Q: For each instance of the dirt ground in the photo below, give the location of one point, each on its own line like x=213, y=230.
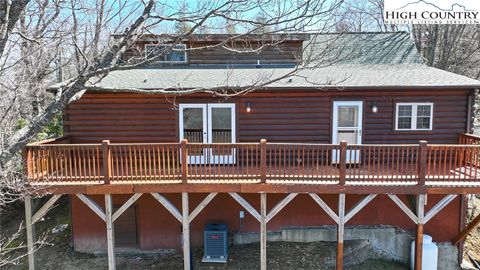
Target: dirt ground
x=281, y=256
x=472, y=243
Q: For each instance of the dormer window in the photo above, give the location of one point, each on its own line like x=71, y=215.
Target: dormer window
x=169, y=53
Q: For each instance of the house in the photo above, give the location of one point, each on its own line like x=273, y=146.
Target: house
x=340, y=125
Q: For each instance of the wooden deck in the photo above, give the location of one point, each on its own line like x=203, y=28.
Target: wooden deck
x=58, y=163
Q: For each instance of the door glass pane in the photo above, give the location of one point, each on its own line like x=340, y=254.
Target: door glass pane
x=193, y=125
x=348, y=116
x=221, y=125
x=221, y=129
x=350, y=136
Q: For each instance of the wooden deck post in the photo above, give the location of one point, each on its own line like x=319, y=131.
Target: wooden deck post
x=186, y=231
x=263, y=231
x=107, y=164
x=422, y=163
x=30, y=232
x=419, y=237
x=184, y=149
x=343, y=162
x=340, y=230
x=110, y=232
x=263, y=160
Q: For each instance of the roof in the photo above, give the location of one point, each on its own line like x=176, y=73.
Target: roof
x=367, y=48
x=352, y=60
x=336, y=76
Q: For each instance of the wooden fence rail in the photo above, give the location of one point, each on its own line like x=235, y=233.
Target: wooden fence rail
x=251, y=162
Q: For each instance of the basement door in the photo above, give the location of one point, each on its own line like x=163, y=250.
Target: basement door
x=208, y=123
x=347, y=126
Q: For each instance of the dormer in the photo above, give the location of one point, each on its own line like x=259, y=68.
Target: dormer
x=222, y=49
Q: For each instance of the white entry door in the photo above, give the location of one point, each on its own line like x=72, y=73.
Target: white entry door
x=347, y=126
x=208, y=123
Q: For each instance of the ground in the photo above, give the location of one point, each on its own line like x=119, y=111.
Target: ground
x=472, y=244
x=281, y=256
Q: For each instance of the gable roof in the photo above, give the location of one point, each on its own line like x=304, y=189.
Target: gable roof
x=363, y=48
x=348, y=60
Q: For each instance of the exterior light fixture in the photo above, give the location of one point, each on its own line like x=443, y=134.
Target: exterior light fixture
x=374, y=107
x=249, y=107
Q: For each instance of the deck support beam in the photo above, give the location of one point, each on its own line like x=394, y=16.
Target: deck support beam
x=421, y=219
x=340, y=231
x=185, y=218
x=30, y=232
x=263, y=218
x=279, y=206
x=467, y=230
x=185, y=231
x=403, y=207
x=246, y=205
x=31, y=219
x=263, y=231
x=419, y=236
x=439, y=206
x=45, y=208
x=169, y=206
x=325, y=207
x=359, y=206
x=201, y=206
x=110, y=232
x=126, y=205
x=93, y=205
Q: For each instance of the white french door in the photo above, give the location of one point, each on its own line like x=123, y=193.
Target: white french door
x=193, y=127
x=221, y=129
x=208, y=123
x=347, y=126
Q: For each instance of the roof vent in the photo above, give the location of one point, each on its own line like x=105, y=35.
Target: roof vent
x=290, y=80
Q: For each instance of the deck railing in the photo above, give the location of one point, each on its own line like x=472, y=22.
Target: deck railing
x=59, y=162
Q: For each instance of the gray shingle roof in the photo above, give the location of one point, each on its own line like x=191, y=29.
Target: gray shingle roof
x=356, y=60
x=363, y=48
x=342, y=76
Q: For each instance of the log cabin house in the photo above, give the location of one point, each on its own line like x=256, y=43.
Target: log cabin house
x=362, y=134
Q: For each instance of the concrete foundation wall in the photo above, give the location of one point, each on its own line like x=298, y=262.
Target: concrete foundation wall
x=384, y=242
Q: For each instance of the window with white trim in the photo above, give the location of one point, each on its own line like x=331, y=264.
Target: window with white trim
x=170, y=53
x=414, y=116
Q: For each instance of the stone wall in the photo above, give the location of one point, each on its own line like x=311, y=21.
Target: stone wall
x=366, y=242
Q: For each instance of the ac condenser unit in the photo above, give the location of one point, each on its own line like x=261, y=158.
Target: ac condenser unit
x=215, y=243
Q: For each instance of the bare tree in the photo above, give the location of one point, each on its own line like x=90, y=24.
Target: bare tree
x=360, y=16
x=9, y=15
x=288, y=17
x=454, y=48
x=44, y=42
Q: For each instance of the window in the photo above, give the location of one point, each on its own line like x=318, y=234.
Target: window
x=414, y=116
x=169, y=54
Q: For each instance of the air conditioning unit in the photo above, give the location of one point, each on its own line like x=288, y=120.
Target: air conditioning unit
x=215, y=243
